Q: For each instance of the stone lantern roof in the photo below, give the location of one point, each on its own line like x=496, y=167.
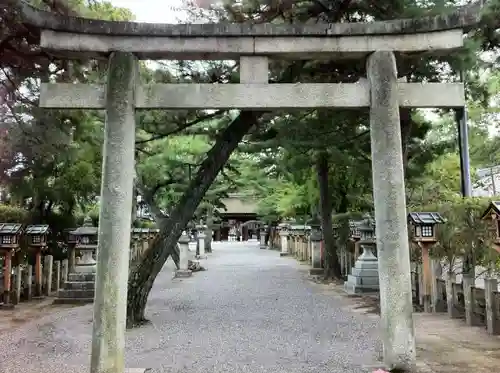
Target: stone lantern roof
x=87, y=229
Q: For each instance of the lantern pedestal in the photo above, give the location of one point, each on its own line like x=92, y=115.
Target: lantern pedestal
x=263, y=240
x=364, y=274
x=79, y=289
x=183, y=270
x=7, y=304
x=87, y=264
x=201, y=246
x=80, y=286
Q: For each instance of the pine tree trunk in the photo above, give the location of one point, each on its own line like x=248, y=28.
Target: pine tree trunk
x=332, y=265
x=143, y=274
x=209, y=231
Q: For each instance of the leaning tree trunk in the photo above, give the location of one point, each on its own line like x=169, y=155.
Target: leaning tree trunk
x=332, y=265
x=143, y=274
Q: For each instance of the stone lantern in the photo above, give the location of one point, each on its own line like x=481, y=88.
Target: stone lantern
x=201, y=241
x=263, y=232
x=424, y=226
x=364, y=275
x=37, y=235
x=316, y=249
x=354, y=233
x=314, y=228
x=284, y=232
x=10, y=234
x=424, y=235
x=183, y=243
x=293, y=240
x=87, y=237
x=37, y=242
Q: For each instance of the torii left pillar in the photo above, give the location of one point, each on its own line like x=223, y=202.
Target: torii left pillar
x=110, y=302
x=396, y=309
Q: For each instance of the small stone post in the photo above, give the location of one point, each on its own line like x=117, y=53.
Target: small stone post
x=436, y=297
x=468, y=283
x=29, y=282
x=49, y=261
x=309, y=249
x=110, y=302
x=303, y=247
x=18, y=273
x=58, y=276
x=342, y=261
x=398, y=334
x=450, y=295
x=490, y=290
x=183, y=270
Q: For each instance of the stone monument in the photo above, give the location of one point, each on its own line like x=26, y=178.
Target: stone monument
x=364, y=277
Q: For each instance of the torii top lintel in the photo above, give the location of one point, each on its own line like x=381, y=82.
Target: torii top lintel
x=226, y=40
x=461, y=17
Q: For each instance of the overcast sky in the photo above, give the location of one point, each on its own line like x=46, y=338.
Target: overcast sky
x=156, y=11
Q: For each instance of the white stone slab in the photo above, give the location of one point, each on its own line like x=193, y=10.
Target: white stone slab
x=252, y=96
x=231, y=47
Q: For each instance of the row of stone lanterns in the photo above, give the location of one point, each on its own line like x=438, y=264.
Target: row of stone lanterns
x=364, y=275
x=80, y=285
x=11, y=235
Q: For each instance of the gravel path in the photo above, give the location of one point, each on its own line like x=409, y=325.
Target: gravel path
x=251, y=311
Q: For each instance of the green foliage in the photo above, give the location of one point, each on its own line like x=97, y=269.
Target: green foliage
x=12, y=214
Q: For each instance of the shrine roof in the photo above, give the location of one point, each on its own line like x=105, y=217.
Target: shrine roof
x=85, y=231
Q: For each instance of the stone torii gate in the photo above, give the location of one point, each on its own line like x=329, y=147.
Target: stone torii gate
x=124, y=43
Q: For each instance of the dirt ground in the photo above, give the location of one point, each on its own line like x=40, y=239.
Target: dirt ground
x=443, y=345
x=27, y=311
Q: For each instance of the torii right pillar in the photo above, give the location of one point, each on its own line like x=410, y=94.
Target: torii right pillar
x=397, y=330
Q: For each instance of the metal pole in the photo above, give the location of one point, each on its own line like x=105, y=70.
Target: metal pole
x=493, y=184
x=463, y=147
